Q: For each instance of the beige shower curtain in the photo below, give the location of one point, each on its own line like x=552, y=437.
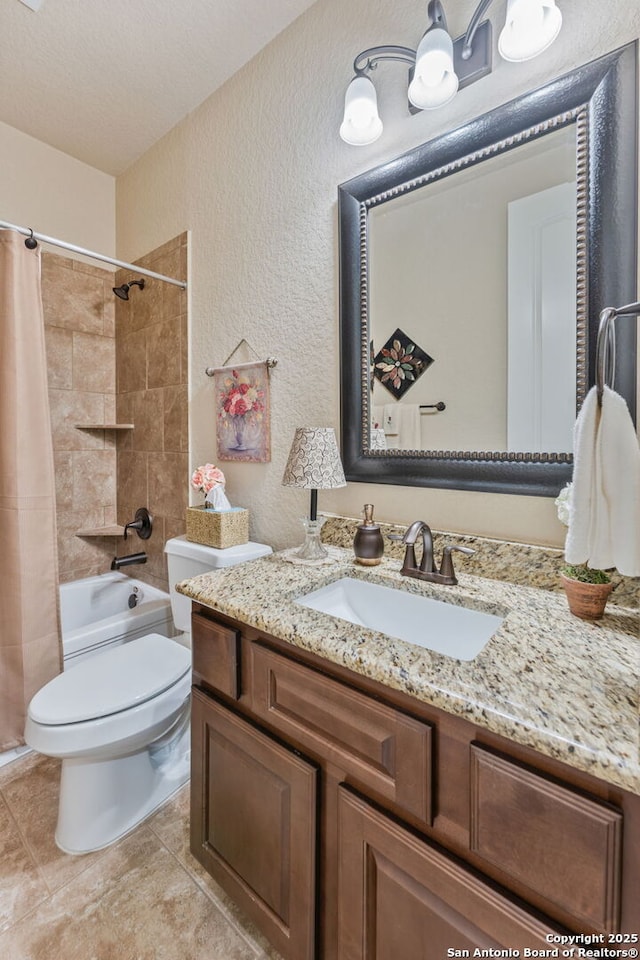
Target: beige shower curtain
x=29, y=631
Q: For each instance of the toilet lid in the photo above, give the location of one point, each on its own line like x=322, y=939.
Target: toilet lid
x=112, y=681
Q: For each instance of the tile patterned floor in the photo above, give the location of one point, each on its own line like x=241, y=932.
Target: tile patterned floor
x=144, y=898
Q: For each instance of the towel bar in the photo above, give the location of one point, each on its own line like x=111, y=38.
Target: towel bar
x=606, y=345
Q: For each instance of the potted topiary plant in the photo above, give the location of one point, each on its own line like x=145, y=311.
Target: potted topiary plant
x=587, y=588
x=587, y=591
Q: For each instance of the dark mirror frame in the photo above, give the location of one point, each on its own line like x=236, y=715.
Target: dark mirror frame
x=601, y=99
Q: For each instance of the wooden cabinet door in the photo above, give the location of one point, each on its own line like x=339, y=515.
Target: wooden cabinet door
x=400, y=897
x=253, y=824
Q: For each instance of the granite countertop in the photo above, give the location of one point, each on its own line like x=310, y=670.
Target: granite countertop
x=565, y=687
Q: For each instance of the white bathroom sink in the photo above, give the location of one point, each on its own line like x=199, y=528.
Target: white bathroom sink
x=458, y=632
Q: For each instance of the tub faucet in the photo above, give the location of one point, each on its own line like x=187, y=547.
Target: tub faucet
x=427, y=569
x=118, y=562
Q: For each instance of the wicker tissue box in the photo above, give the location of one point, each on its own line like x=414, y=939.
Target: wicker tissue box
x=216, y=528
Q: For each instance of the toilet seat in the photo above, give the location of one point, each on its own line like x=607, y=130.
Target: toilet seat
x=108, y=683
x=127, y=730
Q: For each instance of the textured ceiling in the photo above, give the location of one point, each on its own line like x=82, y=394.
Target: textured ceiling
x=102, y=80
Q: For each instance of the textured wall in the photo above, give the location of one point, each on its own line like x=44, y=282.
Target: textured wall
x=253, y=174
x=79, y=321
x=151, y=365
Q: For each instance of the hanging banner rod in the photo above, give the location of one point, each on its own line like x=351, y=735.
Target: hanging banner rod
x=27, y=232
x=269, y=363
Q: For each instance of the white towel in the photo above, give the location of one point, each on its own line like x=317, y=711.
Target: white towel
x=401, y=425
x=604, y=517
x=583, y=492
x=409, y=427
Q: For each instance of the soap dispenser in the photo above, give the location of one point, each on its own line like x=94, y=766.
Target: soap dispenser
x=368, y=544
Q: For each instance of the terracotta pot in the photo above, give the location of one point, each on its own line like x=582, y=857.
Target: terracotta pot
x=586, y=600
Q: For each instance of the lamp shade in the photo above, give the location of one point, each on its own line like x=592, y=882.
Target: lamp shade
x=531, y=26
x=314, y=461
x=434, y=80
x=362, y=124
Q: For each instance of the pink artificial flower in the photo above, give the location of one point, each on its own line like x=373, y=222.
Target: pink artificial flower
x=206, y=477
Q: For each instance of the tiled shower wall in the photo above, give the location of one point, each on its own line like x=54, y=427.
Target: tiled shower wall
x=98, y=345
x=151, y=393
x=79, y=316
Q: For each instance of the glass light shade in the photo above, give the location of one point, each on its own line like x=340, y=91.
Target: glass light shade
x=361, y=124
x=434, y=80
x=531, y=26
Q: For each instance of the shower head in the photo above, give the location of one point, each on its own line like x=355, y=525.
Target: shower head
x=123, y=291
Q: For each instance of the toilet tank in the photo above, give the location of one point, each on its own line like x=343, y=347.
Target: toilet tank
x=187, y=559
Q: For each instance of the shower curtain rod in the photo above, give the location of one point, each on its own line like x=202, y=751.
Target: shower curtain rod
x=27, y=232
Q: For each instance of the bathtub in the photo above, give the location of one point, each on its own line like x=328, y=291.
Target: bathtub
x=96, y=613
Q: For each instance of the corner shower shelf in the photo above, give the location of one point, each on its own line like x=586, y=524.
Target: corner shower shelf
x=113, y=530
x=104, y=426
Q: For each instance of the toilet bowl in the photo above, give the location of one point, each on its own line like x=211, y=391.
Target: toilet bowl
x=119, y=721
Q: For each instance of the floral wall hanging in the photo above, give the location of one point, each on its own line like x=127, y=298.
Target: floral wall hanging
x=399, y=363
x=242, y=413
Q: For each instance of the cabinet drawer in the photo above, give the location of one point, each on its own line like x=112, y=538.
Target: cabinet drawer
x=376, y=746
x=216, y=656
x=563, y=845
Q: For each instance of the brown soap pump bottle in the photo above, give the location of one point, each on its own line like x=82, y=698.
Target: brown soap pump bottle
x=368, y=544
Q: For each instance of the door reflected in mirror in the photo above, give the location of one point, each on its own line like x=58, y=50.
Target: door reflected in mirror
x=478, y=270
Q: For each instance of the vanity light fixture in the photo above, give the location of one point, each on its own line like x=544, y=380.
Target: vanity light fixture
x=435, y=81
x=530, y=28
x=440, y=66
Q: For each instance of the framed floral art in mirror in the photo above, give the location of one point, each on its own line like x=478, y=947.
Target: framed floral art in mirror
x=399, y=363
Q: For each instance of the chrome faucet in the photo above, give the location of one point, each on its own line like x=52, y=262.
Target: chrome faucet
x=427, y=569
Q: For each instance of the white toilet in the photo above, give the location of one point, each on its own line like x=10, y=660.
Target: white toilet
x=120, y=719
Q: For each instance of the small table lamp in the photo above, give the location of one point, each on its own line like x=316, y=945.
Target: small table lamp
x=314, y=463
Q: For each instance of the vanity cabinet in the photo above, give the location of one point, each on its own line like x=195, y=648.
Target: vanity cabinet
x=354, y=822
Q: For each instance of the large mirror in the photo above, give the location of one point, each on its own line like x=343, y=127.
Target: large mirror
x=473, y=271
